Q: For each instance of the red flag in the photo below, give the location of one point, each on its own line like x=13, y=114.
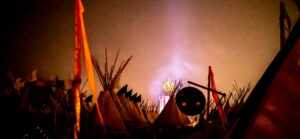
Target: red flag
x=81, y=40
x=215, y=96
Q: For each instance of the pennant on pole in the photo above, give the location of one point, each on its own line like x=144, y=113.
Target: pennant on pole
x=81, y=40
x=215, y=96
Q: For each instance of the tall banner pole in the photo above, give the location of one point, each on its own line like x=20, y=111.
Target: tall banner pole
x=208, y=95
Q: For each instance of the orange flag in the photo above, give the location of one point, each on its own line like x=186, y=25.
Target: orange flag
x=81, y=40
x=215, y=96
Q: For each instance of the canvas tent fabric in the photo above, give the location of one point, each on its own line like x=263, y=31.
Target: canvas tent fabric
x=171, y=115
x=113, y=121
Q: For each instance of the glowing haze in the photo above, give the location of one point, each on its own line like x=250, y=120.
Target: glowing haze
x=176, y=39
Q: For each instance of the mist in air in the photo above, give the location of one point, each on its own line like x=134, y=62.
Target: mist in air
x=168, y=39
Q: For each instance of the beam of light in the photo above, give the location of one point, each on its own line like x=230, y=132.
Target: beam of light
x=177, y=66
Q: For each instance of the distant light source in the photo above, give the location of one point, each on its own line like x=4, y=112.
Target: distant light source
x=168, y=87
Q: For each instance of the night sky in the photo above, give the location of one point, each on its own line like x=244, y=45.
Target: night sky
x=173, y=39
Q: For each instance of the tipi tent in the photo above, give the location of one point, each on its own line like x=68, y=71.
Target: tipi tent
x=112, y=119
x=171, y=115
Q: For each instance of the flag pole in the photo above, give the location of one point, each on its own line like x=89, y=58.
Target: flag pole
x=208, y=94
x=87, y=56
x=212, y=90
x=77, y=73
